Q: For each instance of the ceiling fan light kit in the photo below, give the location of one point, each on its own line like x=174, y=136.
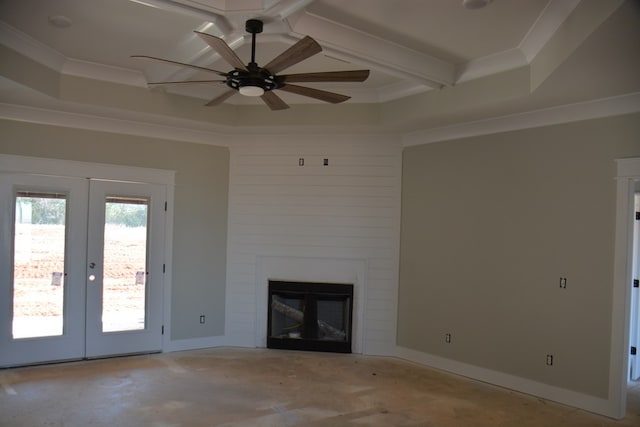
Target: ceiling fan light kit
x=251, y=91
x=255, y=81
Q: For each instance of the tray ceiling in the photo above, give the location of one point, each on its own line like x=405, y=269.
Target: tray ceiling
x=411, y=46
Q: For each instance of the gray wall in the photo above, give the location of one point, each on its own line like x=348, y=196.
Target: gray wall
x=201, y=192
x=490, y=224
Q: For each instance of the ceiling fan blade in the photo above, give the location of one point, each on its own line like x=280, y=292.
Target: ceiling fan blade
x=181, y=64
x=322, y=95
x=273, y=101
x=221, y=98
x=223, y=49
x=184, y=82
x=303, y=49
x=329, y=76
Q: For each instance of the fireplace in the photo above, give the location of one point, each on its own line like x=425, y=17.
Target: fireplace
x=310, y=316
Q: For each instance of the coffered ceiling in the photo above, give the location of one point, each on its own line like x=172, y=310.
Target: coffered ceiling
x=419, y=52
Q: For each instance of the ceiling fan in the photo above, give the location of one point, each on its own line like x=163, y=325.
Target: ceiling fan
x=253, y=80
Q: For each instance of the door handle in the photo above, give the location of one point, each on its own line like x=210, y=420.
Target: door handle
x=92, y=277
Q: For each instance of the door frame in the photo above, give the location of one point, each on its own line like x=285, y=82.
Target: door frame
x=78, y=169
x=627, y=179
x=634, y=324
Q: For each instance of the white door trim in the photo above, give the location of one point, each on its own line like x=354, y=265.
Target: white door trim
x=76, y=169
x=634, y=330
x=627, y=174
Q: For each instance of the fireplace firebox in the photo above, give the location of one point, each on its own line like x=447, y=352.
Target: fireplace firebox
x=310, y=316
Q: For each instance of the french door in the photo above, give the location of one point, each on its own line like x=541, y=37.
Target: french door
x=81, y=268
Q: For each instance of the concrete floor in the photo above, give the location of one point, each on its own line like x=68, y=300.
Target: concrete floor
x=257, y=387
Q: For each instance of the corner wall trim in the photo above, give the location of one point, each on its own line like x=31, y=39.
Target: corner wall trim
x=523, y=385
x=627, y=177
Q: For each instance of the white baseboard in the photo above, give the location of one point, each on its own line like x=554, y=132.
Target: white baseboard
x=567, y=397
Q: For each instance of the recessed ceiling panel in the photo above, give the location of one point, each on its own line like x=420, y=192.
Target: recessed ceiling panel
x=442, y=28
x=105, y=32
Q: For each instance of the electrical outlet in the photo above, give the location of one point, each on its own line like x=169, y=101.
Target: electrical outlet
x=447, y=338
x=202, y=318
x=563, y=282
x=549, y=359
x=301, y=161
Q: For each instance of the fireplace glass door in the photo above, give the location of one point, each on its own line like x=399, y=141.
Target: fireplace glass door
x=310, y=316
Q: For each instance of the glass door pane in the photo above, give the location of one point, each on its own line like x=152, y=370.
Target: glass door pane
x=39, y=264
x=125, y=264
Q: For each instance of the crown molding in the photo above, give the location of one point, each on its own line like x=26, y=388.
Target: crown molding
x=606, y=107
x=173, y=129
x=206, y=133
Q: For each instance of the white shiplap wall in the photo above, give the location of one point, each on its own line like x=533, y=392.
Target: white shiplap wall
x=335, y=223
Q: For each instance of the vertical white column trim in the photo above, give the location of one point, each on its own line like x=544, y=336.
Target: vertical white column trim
x=628, y=172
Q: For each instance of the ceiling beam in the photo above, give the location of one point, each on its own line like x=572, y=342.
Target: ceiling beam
x=375, y=52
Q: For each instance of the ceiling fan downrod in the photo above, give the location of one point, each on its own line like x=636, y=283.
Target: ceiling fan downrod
x=253, y=27
x=255, y=81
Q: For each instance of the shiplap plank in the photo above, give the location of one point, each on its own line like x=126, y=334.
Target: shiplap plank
x=314, y=191
x=320, y=250
x=294, y=240
x=238, y=268
x=379, y=325
x=379, y=305
x=380, y=294
x=324, y=211
x=307, y=230
x=306, y=200
x=317, y=170
x=318, y=221
x=317, y=180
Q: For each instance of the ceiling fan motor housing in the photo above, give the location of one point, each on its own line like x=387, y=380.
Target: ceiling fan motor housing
x=256, y=76
x=253, y=26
